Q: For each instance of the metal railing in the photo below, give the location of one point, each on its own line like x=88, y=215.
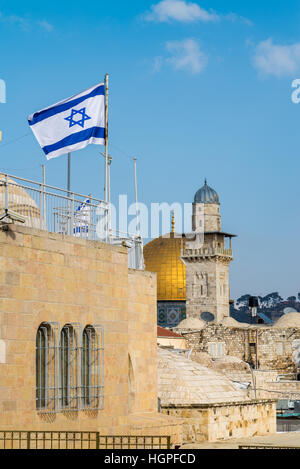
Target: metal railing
x=134, y=442
x=53, y=209
x=56, y=210
x=78, y=440
x=256, y=447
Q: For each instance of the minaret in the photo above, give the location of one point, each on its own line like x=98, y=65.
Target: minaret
x=207, y=259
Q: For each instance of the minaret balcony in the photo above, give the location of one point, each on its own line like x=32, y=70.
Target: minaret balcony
x=206, y=253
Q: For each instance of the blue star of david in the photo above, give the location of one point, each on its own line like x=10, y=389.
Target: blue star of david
x=74, y=112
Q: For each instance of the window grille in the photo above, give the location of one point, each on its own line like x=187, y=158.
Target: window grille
x=69, y=368
x=69, y=353
x=92, y=368
x=46, y=367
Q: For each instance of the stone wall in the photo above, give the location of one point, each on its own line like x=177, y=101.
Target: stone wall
x=50, y=278
x=207, y=288
x=142, y=328
x=206, y=217
x=226, y=421
x=275, y=346
x=268, y=386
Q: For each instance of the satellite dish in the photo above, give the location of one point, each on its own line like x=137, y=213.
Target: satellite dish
x=208, y=317
x=289, y=310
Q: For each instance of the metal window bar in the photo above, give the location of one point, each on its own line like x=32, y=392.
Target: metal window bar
x=92, y=368
x=46, y=367
x=69, y=353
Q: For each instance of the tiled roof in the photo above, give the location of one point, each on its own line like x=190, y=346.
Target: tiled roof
x=162, y=332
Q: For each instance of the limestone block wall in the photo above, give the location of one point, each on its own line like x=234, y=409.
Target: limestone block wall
x=142, y=328
x=275, y=346
x=48, y=277
x=211, y=278
x=206, y=217
x=226, y=421
x=281, y=390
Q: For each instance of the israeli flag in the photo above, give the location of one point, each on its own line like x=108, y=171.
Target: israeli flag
x=82, y=219
x=71, y=124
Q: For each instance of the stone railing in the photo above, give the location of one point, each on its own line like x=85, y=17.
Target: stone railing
x=206, y=252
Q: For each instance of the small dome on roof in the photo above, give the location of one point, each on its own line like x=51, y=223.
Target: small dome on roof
x=291, y=320
x=197, y=384
x=206, y=195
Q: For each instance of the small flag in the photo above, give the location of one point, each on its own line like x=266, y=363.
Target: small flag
x=82, y=219
x=72, y=124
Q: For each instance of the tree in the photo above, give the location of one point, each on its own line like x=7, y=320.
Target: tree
x=243, y=301
x=271, y=300
x=292, y=299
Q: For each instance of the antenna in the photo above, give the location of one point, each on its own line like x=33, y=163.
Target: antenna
x=138, y=226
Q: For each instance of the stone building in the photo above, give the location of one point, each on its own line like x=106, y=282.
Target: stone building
x=163, y=256
x=78, y=338
x=269, y=348
x=193, y=269
x=212, y=407
x=207, y=259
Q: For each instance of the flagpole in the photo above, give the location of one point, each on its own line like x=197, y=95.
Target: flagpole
x=69, y=174
x=106, y=151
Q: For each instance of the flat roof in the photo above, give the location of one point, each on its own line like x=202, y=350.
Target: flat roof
x=228, y=235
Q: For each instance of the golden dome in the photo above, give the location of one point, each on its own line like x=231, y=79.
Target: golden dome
x=162, y=256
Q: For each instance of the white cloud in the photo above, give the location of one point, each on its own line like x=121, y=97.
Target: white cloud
x=25, y=24
x=186, y=55
x=45, y=26
x=179, y=10
x=277, y=60
x=234, y=18
x=157, y=64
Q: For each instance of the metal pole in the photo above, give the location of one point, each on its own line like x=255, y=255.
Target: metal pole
x=43, y=199
x=106, y=136
x=257, y=349
x=6, y=193
x=106, y=154
x=138, y=228
x=69, y=174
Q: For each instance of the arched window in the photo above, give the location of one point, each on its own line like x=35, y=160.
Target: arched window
x=92, y=368
x=46, y=368
x=69, y=368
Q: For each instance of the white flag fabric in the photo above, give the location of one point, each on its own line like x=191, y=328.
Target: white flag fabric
x=71, y=124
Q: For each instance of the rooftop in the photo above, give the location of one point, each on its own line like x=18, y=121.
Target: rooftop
x=162, y=332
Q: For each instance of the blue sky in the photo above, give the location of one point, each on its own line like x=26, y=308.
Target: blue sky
x=198, y=88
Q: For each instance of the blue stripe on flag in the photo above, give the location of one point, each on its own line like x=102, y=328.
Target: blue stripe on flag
x=46, y=113
x=97, y=132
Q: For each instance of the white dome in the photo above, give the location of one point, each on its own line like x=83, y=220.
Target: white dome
x=192, y=323
x=21, y=202
x=231, y=322
x=185, y=382
x=291, y=320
